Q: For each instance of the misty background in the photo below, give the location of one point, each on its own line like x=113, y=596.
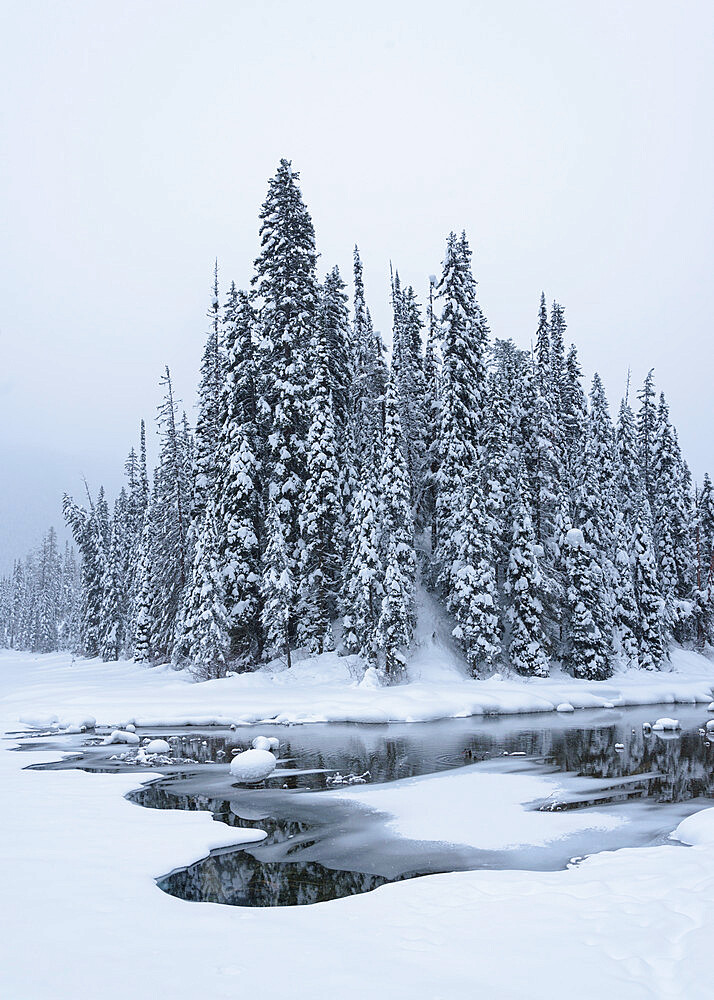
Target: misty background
x=573, y=142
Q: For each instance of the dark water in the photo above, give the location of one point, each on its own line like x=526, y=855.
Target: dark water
x=319, y=847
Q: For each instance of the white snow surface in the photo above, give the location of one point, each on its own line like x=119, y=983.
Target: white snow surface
x=324, y=689
x=82, y=909
x=488, y=811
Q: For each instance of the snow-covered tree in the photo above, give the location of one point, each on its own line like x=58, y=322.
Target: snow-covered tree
x=397, y=616
x=523, y=588
x=205, y=620
x=277, y=590
x=319, y=565
x=362, y=583
x=286, y=293
x=588, y=646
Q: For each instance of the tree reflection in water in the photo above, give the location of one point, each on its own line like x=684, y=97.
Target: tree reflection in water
x=283, y=869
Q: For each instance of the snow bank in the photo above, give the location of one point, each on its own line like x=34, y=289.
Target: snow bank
x=323, y=689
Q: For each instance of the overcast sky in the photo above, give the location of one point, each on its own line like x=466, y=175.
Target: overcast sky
x=572, y=141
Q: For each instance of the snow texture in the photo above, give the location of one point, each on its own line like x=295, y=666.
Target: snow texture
x=632, y=923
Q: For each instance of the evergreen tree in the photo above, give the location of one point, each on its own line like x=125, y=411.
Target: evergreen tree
x=523, y=588
x=462, y=391
x=650, y=606
x=474, y=599
x=362, y=585
x=588, y=648
x=629, y=476
x=557, y=356
x=574, y=409
x=335, y=334
x=398, y=616
x=169, y=517
x=239, y=484
x=320, y=515
x=542, y=349
x=208, y=422
x=205, y=620
x=142, y=626
x=286, y=291
x=646, y=426
x=277, y=589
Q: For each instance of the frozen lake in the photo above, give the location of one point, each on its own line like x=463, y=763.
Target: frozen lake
x=321, y=845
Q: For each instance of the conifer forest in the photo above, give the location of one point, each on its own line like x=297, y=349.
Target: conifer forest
x=329, y=488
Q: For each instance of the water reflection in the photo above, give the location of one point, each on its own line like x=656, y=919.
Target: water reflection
x=319, y=847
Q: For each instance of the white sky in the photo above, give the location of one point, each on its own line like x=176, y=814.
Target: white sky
x=572, y=141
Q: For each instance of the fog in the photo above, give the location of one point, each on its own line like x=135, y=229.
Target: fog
x=573, y=143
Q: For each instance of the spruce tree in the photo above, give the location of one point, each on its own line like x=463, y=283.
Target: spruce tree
x=286, y=293
x=463, y=381
x=397, y=616
x=588, y=647
x=646, y=427
x=205, y=620
x=336, y=335
x=523, y=588
x=474, y=598
x=239, y=484
x=278, y=592
x=319, y=565
x=650, y=606
x=363, y=577
x=142, y=630
x=208, y=422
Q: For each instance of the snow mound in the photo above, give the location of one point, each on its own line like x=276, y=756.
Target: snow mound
x=371, y=680
x=271, y=743
x=564, y=706
x=252, y=766
x=666, y=724
x=157, y=746
x=121, y=736
x=696, y=829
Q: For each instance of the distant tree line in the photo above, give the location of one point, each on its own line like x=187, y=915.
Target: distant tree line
x=324, y=483
x=40, y=601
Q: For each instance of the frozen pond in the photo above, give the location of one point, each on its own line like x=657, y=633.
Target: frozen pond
x=320, y=846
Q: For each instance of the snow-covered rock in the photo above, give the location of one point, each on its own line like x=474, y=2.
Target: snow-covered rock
x=565, y=706
x=665, y=724
x=157, y=746
x=271, y=743
x=121, y=736
x=696, y=829
x=710, y=726
x=252, y=766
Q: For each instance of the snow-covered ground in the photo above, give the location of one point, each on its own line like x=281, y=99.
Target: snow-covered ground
x=81, y=912
x=323, y=689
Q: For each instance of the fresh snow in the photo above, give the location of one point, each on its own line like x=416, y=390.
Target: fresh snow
x=324, y=689
x=82, y=908
x=252, y=766
x=475, y=808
